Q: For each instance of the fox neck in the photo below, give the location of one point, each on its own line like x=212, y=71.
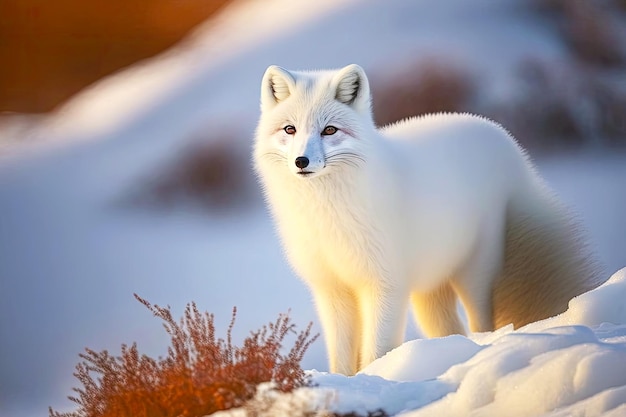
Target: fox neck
x=340, y=217
x=337, y=191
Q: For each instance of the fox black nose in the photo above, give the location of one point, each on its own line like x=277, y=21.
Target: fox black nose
x=302, y=162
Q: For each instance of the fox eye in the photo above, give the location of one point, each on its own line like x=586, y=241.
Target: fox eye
x=290, y=130
x=329, y=130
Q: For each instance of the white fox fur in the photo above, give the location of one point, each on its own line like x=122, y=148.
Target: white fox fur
x=417, y=213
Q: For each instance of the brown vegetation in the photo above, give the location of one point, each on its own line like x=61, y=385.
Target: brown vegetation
x=588, y=28
x=428, y=86
x=575, y=102
x=49, y=50
x=206, y=172
x=201, y=374
x=565, y=103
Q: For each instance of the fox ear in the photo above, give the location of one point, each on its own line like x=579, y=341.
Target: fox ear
x=277, y=86
x=352, y=87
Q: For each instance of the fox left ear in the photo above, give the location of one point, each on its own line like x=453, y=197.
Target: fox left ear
x=352, y=87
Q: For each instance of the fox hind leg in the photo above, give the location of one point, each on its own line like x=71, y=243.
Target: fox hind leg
x=474, y=283
x=436, y=312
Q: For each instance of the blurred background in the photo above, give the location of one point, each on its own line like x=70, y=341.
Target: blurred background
x=52, y=50
x=126, y=130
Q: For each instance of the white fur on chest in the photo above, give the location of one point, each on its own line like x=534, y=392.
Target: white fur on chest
x=332, y=230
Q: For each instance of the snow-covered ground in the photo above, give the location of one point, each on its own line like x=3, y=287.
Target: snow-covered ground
x=567, y=365
x=71, y=255
x=556, y=367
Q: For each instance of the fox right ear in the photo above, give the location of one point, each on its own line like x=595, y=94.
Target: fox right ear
x=277, y=86
x=352, y=87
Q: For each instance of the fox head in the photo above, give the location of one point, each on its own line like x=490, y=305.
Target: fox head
x=313, y=121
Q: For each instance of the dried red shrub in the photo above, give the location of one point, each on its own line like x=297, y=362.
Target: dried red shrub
x=376, y=413
x=201, y=374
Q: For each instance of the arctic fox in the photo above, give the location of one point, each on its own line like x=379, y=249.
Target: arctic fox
x=417, y=213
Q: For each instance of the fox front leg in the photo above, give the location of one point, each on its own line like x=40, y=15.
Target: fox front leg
x=338, y=313
x=383, y=316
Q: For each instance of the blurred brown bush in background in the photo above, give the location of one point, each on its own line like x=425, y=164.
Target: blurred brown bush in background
x=427, y=86
x=579, y=101
x=212, y=173
x=49, y=50
x=588, y=28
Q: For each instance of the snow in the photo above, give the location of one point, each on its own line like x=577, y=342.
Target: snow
x=458, y=349
x=71, y=255
x=538, y=370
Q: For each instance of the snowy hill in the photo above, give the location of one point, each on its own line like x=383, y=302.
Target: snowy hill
x=72, y=253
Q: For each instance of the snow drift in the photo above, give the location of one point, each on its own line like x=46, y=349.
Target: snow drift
x=554, y=367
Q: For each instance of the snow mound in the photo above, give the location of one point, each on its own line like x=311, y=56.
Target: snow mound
x=605, y=304
x=573, y=364
x=530, y=374
x=457, y=349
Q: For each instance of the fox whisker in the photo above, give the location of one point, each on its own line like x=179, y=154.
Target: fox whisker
x=275, y=157
x=345, y=158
